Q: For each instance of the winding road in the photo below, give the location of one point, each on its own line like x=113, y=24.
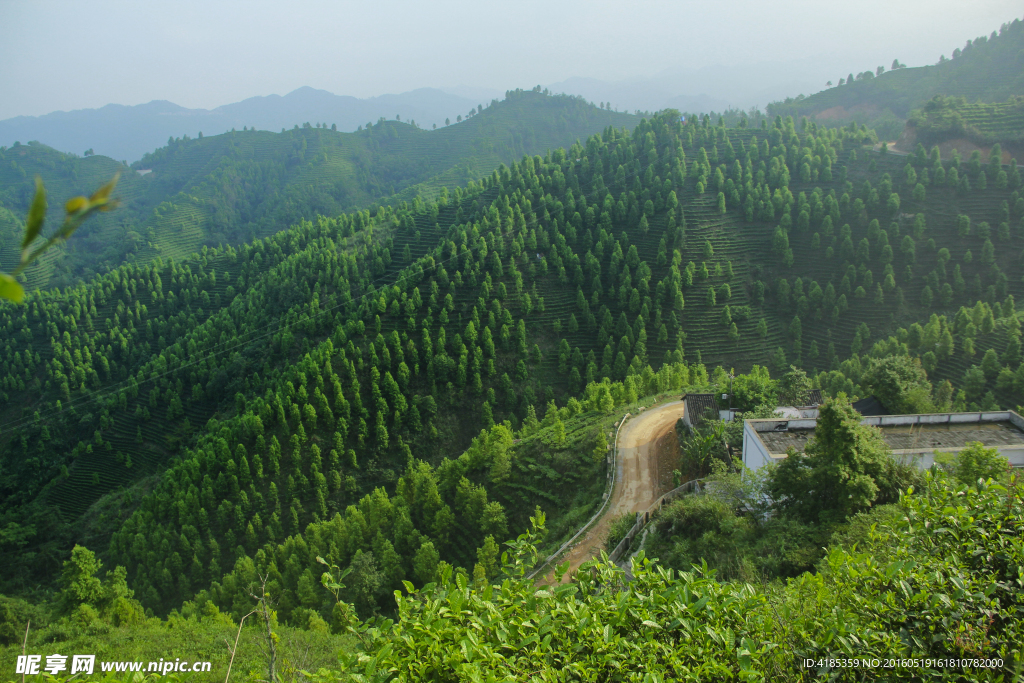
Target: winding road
x=647, y=455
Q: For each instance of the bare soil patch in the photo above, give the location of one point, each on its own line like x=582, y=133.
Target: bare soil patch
x=841, y=112
x=667, y=452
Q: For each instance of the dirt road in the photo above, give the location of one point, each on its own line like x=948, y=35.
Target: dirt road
x=646, y=457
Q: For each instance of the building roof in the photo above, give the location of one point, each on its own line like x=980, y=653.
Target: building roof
x=700, y=406
x=904, y=433
x=869, y=405
x=814, y=398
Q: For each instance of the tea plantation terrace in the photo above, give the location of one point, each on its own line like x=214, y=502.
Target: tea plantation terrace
x=912, y=438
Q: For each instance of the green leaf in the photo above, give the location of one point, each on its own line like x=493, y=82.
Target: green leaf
x=103, y=194
x=76, y=204
x=11, y=289
x=36, y=214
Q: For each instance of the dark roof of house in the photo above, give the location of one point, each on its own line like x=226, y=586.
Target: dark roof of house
x=870, y=406
x=699, y=405
x=814, y=398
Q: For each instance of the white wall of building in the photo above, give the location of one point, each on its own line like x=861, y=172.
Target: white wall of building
x=755, y=455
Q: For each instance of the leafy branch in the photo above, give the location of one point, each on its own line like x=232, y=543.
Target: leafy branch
x=76, y=210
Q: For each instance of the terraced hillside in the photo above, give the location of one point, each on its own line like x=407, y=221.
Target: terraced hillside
x=955, y=123
x=986, y=69
x=253, y=392
x=235, y=187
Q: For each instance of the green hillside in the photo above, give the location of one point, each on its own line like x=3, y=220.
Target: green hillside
x=235, y=187
x=364, y=381
x=165, y=413
x=983, y=124
x=199, y=420
x=987, y=69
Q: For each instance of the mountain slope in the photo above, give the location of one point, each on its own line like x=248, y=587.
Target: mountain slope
x=105, y=239
x=294, y=377
x=988, y=69
x=953, y=123
x=241, y=185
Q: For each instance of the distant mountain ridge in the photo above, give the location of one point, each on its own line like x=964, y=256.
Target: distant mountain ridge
x=124, y=132
x=127, y=132
x=234, y=187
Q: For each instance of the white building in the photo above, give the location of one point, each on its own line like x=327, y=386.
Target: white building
x=912, y=438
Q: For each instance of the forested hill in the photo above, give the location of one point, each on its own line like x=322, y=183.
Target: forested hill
x=187, y=417
x=987, y=69
x=235, y=187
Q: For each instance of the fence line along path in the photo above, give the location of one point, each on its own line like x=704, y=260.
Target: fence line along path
x=635, y=487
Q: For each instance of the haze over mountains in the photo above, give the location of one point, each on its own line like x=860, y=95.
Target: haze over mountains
x=236, y=186
x=710, y=88
x=127, y=132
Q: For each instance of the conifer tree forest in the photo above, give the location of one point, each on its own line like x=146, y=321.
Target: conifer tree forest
x=412, y=401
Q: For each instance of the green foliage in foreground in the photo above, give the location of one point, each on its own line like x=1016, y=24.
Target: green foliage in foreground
x=77, y=210
x=196, y=635
x=952, y=585
x=941, y=575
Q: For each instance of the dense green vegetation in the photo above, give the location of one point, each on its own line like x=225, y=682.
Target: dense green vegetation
x=894, y=583
x=434, y=320
x=342, y=400
x=235, y=187
x=65, y=176
x=103, y=618
x=944, y=118
x=986, y=69
x=908, y=590
x=395, y=391
x=775, y=522
x=33, y=244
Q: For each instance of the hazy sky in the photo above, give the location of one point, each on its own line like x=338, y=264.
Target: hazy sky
x=72, y=55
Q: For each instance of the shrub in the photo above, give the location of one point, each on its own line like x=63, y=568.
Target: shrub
x=619, y=528
x=974, y=463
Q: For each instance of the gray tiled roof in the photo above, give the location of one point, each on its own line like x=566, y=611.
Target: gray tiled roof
x=698, y=406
